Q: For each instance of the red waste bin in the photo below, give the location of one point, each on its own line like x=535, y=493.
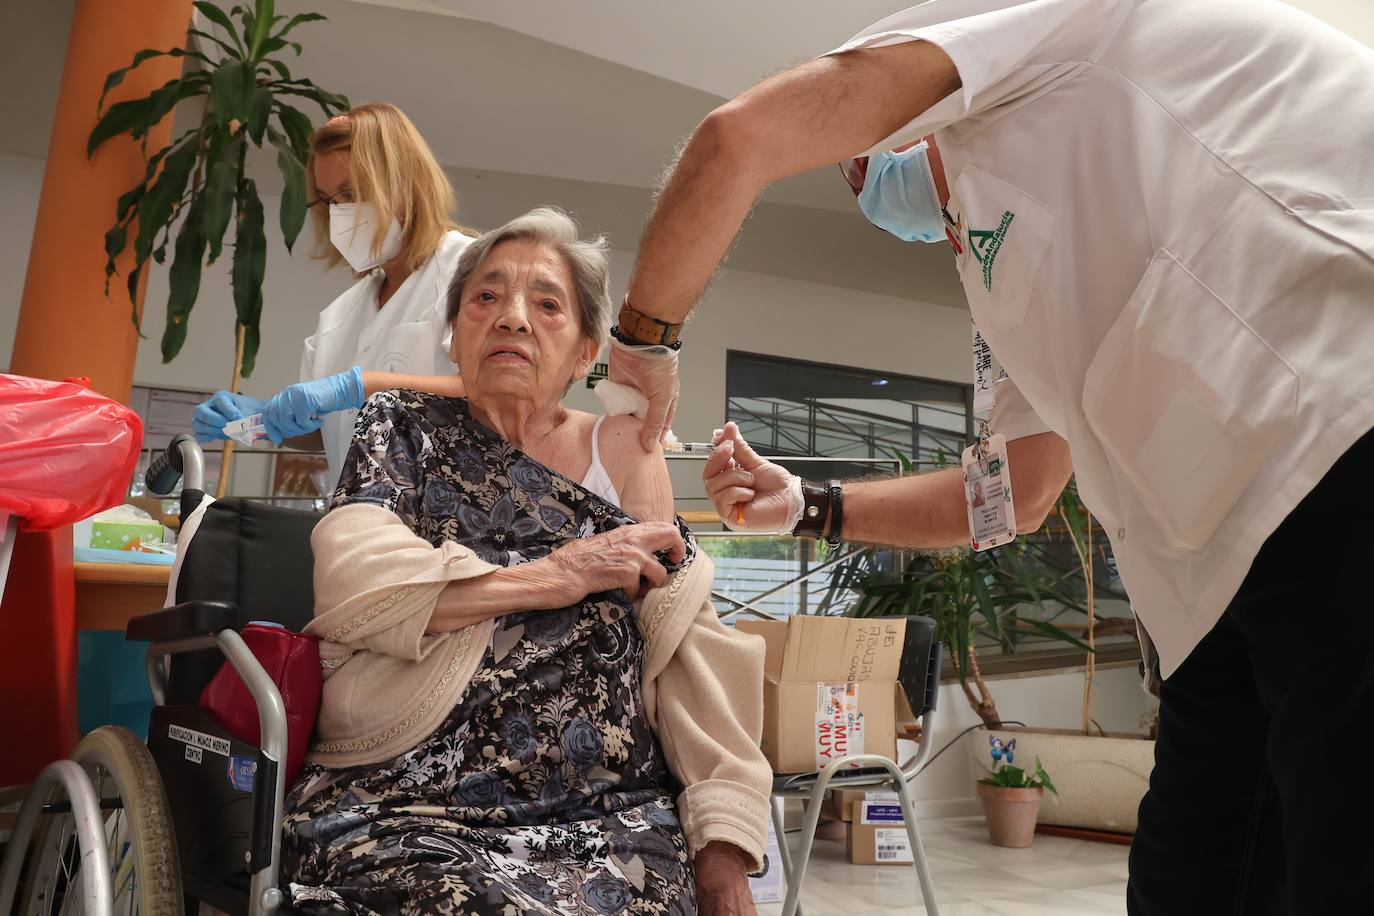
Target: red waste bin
x=65, y=454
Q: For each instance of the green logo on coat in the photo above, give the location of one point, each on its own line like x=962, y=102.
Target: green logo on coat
x=986, y=243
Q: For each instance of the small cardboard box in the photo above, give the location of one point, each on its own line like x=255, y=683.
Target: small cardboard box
x=877, y=832
x=124, y=534
x=830, y=688
x=769, y=886
x=840, y=805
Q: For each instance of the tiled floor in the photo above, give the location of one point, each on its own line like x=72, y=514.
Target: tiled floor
x=1055, y=877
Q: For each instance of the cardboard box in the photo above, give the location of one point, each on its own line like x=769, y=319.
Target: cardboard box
x=769, y=886
x=877, y=833
x=840, y=805
x=830, y=688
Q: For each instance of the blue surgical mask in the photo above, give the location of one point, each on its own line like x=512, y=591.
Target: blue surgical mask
x=899, y=195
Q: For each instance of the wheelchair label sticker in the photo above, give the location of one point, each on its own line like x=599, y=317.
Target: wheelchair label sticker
x=242, y=772
x=199, y=739
x=193, y=753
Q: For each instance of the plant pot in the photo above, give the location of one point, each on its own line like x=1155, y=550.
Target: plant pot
x=1100, y=779
x=1011, y=814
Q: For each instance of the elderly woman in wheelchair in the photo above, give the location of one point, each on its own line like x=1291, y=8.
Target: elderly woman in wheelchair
x=529, y=703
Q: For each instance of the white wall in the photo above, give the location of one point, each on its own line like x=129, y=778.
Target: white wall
x=21, y=179
x=757, y=312
x=1047, y=701
x=1354, y=17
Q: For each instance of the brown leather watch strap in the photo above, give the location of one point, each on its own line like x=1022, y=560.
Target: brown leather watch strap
x=815, y=510
x=642, y=329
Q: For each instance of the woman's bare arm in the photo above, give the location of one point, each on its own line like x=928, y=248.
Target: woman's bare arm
x=447, y=385
x=530, y=586
x=646, y=491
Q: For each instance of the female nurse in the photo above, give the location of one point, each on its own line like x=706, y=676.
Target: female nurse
x=381, y=204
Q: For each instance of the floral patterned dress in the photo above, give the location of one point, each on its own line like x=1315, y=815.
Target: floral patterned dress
x=545, y=790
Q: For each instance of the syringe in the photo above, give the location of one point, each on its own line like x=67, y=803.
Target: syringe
x=700, y=448
x=696, y=448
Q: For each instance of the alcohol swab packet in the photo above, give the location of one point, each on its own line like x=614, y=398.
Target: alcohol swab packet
x=247, y=430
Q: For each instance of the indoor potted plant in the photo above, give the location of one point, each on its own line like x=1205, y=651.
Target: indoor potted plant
x=969, y=595
x=1102, y=776
x=1011, y=797
x=198, y=186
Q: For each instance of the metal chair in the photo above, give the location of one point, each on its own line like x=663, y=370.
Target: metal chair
x=857, y=771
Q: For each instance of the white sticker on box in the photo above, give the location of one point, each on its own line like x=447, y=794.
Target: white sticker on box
x=880, y=812
x=193, y=753
x=199, y=739
x=890, y=844
x=839, y=724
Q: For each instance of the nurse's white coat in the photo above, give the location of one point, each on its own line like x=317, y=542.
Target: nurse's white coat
x=407, y=335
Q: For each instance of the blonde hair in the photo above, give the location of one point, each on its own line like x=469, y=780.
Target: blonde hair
x=392, y=168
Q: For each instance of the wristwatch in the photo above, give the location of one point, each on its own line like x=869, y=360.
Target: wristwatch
x=637, y=329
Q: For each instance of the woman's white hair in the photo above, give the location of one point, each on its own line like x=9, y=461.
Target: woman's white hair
x=587, y=259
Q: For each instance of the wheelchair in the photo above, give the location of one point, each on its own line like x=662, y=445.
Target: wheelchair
x=194, y=816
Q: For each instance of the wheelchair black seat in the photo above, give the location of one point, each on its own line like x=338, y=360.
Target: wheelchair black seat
x=253, y=555
x=245, y=561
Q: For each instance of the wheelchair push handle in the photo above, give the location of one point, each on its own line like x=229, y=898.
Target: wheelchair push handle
x=182, y=457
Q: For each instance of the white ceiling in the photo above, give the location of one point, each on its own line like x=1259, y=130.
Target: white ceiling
x=718, y=46
x=574, y=100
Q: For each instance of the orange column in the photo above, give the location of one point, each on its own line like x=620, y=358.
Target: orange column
x=67, y=326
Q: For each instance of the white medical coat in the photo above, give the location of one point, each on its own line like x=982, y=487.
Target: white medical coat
x=408, y=334
x=1167, y=219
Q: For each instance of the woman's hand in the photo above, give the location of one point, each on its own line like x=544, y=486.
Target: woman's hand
x=622, y=558
x=224, y=407
x=723, y=881
x=299, y=409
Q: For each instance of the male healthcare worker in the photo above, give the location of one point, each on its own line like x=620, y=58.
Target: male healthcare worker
x=1162, y=212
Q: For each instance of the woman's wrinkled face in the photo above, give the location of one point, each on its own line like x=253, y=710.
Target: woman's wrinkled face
x=517, y=332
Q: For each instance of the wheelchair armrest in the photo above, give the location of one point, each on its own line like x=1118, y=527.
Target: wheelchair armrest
x=182, y=621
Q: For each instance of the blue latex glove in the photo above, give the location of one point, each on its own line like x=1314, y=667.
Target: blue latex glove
x=299, y=409
x=224, y=407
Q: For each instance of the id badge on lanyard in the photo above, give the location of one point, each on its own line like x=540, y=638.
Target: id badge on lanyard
x=987, y=478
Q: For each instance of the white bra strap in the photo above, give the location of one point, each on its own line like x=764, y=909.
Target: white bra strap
x=596, y=436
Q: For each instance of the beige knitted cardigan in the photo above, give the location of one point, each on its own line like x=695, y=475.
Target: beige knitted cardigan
x=388, y=685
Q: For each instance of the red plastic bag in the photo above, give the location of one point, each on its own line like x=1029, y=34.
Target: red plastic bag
x=65, y=452
x=292, y=661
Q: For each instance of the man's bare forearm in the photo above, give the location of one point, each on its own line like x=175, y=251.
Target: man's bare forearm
x=812, y=115
x=927, y=512
x=924, y=512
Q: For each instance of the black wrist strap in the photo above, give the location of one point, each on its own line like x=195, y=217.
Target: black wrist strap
x=815, y=510
x=836, y=494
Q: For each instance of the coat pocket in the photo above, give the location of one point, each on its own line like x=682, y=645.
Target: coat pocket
x=1187, y=400
x=1005, y=234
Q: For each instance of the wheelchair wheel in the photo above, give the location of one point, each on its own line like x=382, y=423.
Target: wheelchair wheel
x=145, y=874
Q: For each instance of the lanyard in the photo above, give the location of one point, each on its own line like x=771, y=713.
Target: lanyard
x=983, y=381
